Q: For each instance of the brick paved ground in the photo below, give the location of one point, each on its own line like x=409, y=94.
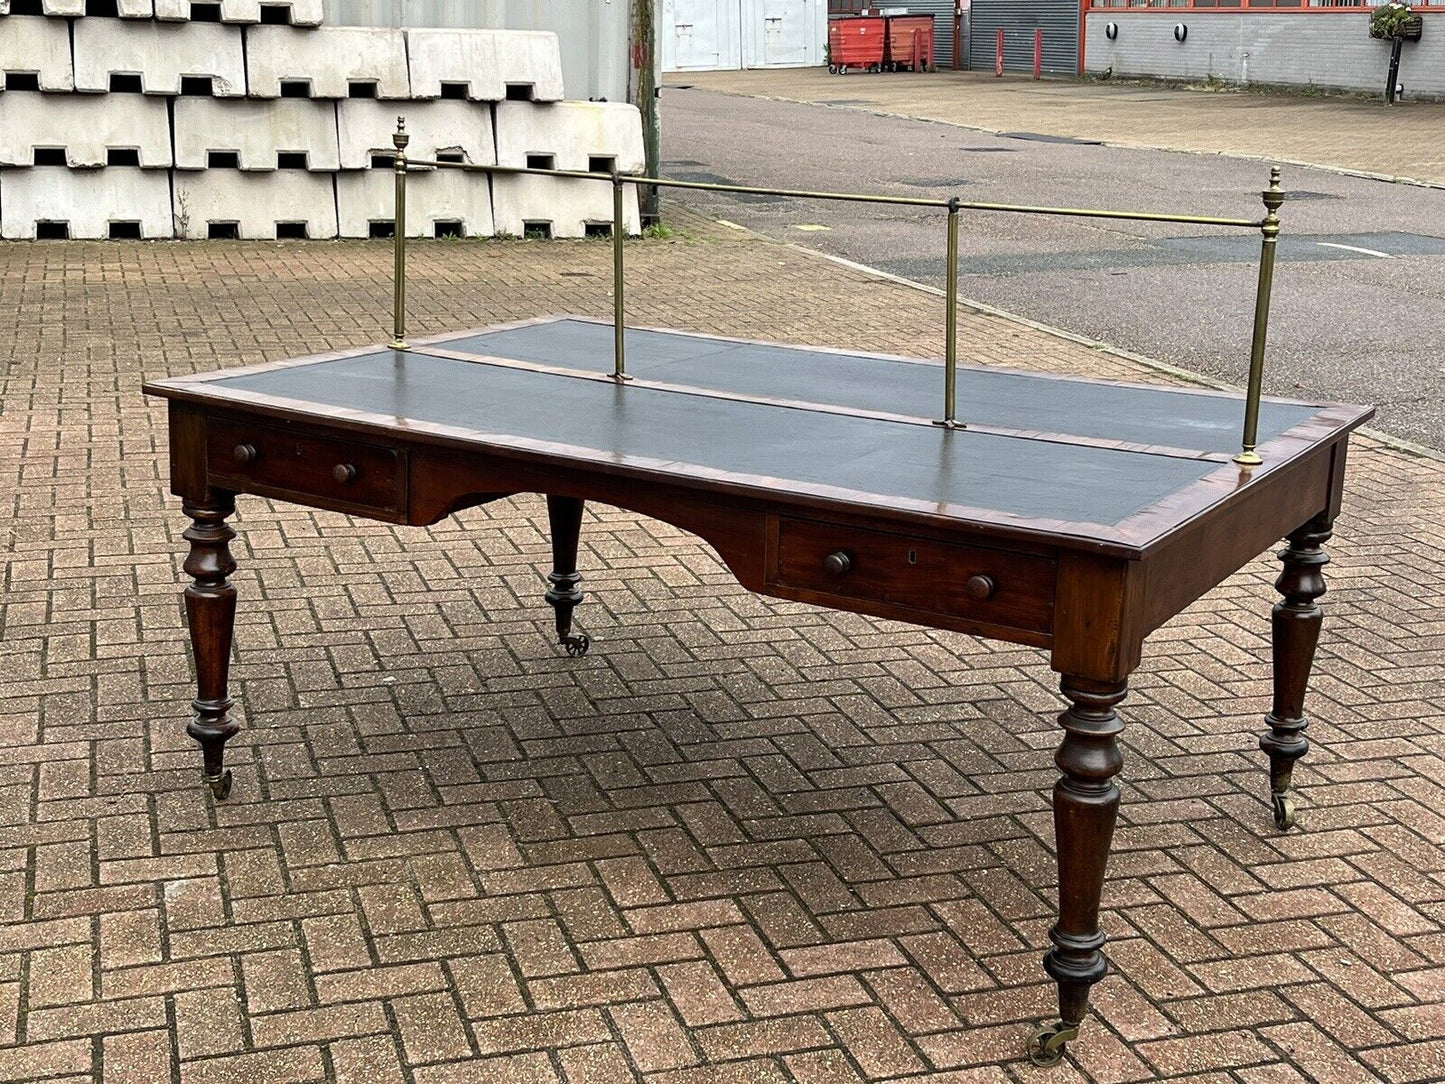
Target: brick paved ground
x=1346, y=133
x=741, y=841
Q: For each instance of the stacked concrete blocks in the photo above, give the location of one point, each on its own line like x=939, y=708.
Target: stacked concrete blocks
x=243, y=118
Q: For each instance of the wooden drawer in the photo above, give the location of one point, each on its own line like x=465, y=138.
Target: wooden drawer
x=974, y=584
x=309, y=468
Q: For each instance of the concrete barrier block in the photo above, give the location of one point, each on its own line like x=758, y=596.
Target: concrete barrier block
x=160, y=53
x=559, y=207
x=257, y=132
x=89, y=202
x=438, y=203
x=52, y=8
x=490, y=64
x=596, y=136
x=255, y=206
x=135, y=9
x=33, y=45
x=86, y=128
x=298, y=12
x=572, y=134
x=531, y=58
x=329, y=59
x=436, y=128
x=455, y=58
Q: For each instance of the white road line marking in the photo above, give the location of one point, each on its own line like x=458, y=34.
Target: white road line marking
x=1355, y=248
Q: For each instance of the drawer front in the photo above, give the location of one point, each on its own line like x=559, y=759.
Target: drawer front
x=294, y=464
x=972, y=583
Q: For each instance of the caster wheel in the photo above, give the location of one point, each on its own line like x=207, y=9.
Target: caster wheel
x=1283, y=811
x=843, y=69
x=220, y=785
x=832, y=69
x=577, y=644
x=1046, y=1045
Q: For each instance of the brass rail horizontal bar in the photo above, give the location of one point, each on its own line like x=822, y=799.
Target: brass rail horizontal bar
x=846, y=197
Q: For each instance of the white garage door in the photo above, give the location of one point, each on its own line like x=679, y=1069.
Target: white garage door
x=783, y=33
x=700, y=35
x=709, y=35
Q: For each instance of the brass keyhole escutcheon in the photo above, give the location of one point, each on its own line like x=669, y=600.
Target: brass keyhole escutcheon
x=913, y=557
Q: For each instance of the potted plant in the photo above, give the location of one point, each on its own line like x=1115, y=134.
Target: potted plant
x=1396, y=20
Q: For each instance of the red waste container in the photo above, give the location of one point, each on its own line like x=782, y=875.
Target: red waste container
x=910, y=42
x=856, y=42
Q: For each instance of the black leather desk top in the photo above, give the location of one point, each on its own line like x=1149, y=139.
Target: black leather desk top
x=777, y=446
x=1163, y=416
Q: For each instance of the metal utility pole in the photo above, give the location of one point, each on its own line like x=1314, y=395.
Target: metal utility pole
x=643, y=81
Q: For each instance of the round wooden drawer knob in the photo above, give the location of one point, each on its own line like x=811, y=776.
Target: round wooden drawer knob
x=980, y=587
x=244, y=454
x=344, y=473
x=838, y=563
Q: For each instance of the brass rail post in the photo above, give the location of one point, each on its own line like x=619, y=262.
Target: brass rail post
x=950, y=323
x=1273, y=198
x=399, y=140
x=619, y=326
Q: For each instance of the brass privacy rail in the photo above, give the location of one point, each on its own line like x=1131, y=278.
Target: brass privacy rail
x=1268, y=226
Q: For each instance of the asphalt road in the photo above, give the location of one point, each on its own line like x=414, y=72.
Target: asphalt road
x=1359, y=301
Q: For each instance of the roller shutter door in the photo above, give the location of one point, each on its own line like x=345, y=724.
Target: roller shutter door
x=1058, y=19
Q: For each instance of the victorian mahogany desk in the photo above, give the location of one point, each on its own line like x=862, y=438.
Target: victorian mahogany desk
x=1071, y=515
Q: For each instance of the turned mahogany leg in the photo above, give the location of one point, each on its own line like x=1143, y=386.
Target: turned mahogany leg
x=1086, y=802
x=565, y=592
x=1296, y=628
x=211, y=611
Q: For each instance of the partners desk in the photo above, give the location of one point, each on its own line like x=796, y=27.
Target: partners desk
x=1070, y=515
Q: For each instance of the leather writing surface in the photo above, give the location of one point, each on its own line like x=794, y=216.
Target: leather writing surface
x=790, y=448
x=1173, y=418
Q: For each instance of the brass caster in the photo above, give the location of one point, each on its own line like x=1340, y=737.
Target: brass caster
x=1046, y=1045
x=220, y=785
x=1283, y=811
x=577, y=644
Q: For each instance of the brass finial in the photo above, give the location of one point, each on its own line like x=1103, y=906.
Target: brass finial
x=1273, y=196
x=400, y=138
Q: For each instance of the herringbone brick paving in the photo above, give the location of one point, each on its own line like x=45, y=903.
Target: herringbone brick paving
x=741, y=841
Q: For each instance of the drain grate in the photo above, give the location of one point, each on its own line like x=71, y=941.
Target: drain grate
x=1038, y=137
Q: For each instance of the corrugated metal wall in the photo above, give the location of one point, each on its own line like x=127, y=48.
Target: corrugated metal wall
x=942, y=12
x=1059, y=20
x=594, y=36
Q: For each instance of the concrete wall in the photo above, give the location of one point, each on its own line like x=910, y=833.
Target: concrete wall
x=594, y=33
x=1312, y=48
